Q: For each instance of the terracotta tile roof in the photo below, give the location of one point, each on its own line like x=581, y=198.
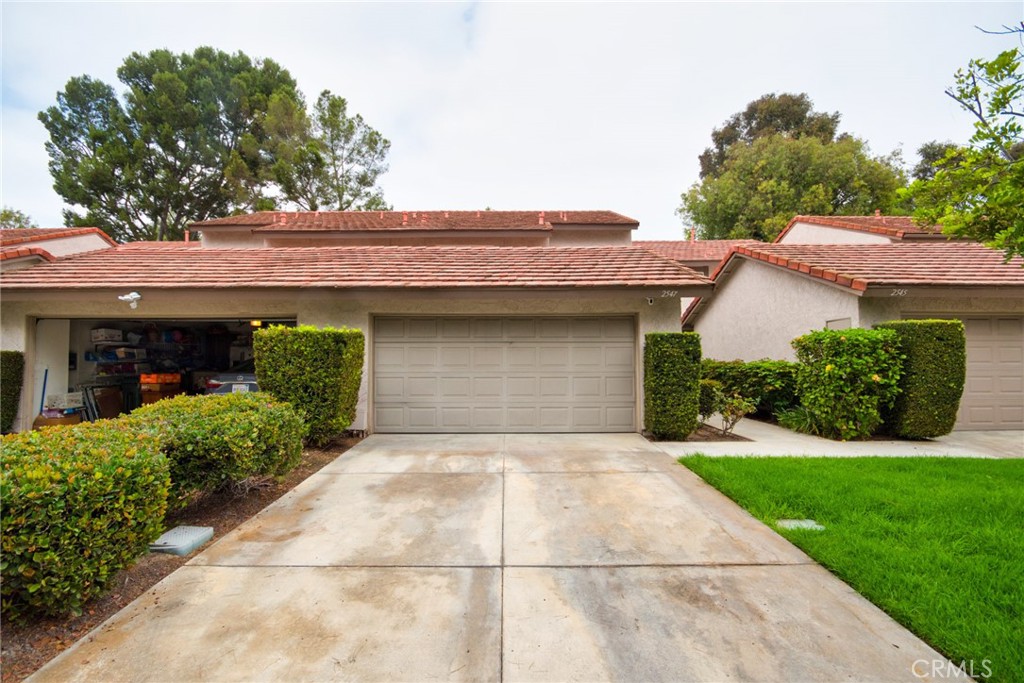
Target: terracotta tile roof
x=357, y=267
x=13, y=236
x=10, y=253
x=899, y=227
x=693, y=250
x=194, y=244
x=282, y=221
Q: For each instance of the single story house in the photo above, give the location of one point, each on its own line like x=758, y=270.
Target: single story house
x=475, y=321
x=768, y=294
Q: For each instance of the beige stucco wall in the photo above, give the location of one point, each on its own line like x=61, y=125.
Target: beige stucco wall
x=806, y=233
x=875, y=310
x=220, y=238
x=413, y=239
x=759, y=309
x=322, y=308
x=563, y=236
x=65, y=246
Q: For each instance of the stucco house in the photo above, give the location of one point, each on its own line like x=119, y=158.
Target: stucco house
x=475, y=321
x=25, y=247
x=886, y=269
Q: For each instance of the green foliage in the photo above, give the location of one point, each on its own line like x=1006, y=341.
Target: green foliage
x=934, y=369
x=734, y=409
x=12, y=376
x=214, y=440
x=80, y=503
x=978, y=192
x=671, y=384
x=933, y=155
x=12, y=219
x=799, y=419
x=847, y=378
x=317, y=370
x=764, y=184
x=770, y=384
x=710, y=399
x=188, y=143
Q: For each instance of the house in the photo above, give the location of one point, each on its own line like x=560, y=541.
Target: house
x=475, y=321
x=860, y=271
x=25, y=247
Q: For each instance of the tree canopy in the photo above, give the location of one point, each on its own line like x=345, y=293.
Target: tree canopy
x=978, y=192
x=11, y=219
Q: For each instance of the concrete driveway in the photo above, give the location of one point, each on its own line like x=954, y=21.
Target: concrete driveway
x=499, y=557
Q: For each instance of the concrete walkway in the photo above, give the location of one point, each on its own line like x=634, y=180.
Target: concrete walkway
x=494, y=557
x=768, y=439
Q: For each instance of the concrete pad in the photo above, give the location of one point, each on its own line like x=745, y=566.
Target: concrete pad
x=422, y=453
x=631, y=519
x=298, y=624
x=441, y=520
x=754, y=623
x=516, y=444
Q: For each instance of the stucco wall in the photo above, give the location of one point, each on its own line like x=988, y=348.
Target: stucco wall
x=226, y=237
x=413, y=239
x=759, y=309
x=77, y=244
x=876, y=310
x=806, y=233
x=581, y=237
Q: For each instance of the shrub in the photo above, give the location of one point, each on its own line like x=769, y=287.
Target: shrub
x=80, y=503
x=218, y=439
x=12, y=375
x=734, y=409
x=847, y=378
x=934, y=370
x=799, y=419
x=317, y=370
x=770, y=384
x=671, y=390
x=710, y=399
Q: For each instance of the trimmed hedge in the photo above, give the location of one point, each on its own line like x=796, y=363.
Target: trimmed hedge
x=711, y=399
x=770, y=384
x=80, y=503
x=12, y=376
x=934, y=370
x=217, y=439
x=847, y=378
x=671, y=384
x=317, y=370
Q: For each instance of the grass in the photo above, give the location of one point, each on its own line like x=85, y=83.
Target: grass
x=938, y=543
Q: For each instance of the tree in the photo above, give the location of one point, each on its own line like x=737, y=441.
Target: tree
x=932, y=154
x=978, y=193
x=764, y=184
x=12, y=219
x=771, y=114
x=329, y=160
x=186, y=143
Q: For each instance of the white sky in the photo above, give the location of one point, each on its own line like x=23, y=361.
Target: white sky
x=528, y=105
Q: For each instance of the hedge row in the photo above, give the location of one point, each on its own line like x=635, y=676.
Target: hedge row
x=12, y=375
x=770, y=384
x=316, y=370
x=671, y=384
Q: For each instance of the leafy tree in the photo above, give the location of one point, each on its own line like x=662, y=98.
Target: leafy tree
x=12, y=219
x=932, y=154
x=764, y=184
x=979, y=192
x=329, y=160
x=187, y=141
x=771, y=114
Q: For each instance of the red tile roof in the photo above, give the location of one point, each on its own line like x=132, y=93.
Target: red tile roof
x=357, y=267
x=10, y=253
x=693, y=250
x=282, y=221
x=899, y=227
x=13, y=236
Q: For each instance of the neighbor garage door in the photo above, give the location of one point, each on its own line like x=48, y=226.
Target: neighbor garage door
x=994, y=393
x=504, y=374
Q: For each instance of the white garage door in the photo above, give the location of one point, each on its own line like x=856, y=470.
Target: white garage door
x=496, y=374
x=994, y=392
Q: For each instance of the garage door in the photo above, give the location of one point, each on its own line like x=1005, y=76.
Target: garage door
x=504, y=374
x=994, y=392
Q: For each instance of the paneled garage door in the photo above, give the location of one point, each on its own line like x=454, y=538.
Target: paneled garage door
x=994, y=393
x=506, y=374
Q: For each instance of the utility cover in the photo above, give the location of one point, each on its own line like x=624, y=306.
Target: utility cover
x=181, y=540
x=800, y=524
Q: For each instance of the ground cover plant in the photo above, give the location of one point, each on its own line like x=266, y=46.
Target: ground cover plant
x=935, y=542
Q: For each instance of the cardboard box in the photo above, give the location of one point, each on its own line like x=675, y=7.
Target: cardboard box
x=62, y=401
x=52, y=421
x=106, y=334
x=158, y=386
x=130, y=354
x=154, y=396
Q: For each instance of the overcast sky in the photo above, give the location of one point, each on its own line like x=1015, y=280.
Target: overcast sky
x=528, y=105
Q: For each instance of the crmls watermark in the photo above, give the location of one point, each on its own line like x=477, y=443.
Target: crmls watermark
x=943, y=668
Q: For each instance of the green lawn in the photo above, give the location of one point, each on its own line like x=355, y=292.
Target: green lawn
x=938, y=543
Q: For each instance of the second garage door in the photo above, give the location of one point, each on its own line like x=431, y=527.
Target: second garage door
x=994, y=392
x=504, y=374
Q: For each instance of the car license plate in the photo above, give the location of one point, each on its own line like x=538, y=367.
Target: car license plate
x=239, y=388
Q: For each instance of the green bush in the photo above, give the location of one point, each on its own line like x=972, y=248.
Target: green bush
x=710, y=400
x=317, y=370
x=671, y=384
x=770, y=384
x=12, y=375
x=218, y=439
x=847, y=378
x=80, y=503
x=934, y=369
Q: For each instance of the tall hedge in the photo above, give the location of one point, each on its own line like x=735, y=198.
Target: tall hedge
x=671, y=384
x=12, y=375
x=316, y=370
x=770, y=384
x=934, y=370
x=79, y=504
x=847, y=379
